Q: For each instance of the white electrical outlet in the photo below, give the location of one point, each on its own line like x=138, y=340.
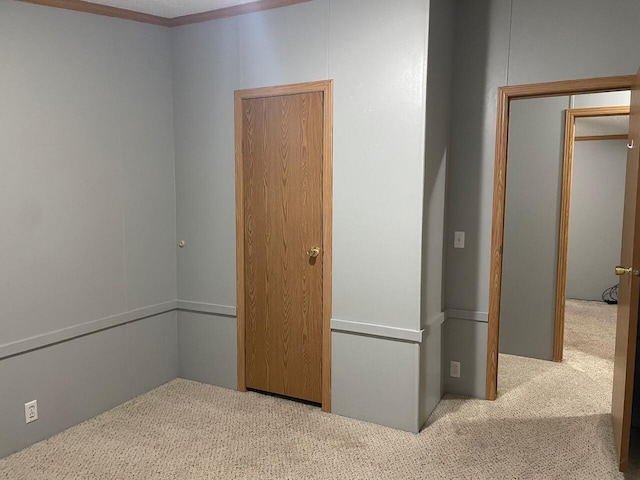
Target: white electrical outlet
x=458, y=240
x=31, y=411
x=454, y=369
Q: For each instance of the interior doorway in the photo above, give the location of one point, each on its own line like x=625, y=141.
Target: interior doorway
x=572, y=116
x=627, y=319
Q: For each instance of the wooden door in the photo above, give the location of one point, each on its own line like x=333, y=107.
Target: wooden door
x=629, y=292
x=282, y=151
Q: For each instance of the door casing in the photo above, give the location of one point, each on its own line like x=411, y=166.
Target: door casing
x=565, y=208
x=505, y=96
x=326, y=88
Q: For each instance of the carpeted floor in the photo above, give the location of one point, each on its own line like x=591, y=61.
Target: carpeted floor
x=551, y=421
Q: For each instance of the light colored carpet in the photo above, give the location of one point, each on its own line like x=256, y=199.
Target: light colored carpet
x=551, y=421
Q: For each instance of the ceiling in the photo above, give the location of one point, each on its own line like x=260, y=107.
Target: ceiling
x=597, y=126
x=171, y=8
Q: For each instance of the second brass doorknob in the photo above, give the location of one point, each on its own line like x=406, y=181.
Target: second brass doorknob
x=313, y=252
x=622, y=270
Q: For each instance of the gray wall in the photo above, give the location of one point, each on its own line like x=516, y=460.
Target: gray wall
x=500, y=42
x=379, y=69
x=438, y=120
x=90, y=190
x=532, y=215
x=595, y=224
x=531, y=226
x=481, y=49
x=87, y=199
x=606, y=99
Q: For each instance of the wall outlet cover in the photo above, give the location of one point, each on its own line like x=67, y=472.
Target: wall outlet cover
x=31, y=411
x=454, y=369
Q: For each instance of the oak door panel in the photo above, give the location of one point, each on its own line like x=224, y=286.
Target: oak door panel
x=282, y=185
x=629, y=292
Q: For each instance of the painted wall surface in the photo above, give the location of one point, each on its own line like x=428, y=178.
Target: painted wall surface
x=536, y=149
x=205, y=56
x=438, y=121
x=379, y=115
x=379, y=126
x=465, y=341
x=499, y=45
x=207, y=350
x=607, y=99
x=88, y=205
x=553, y=40
x=88, y=172
x=595, y=224
x=531, y=226
x=379, y=70
x=480, y=59
x=76, y=380
x=376, y=380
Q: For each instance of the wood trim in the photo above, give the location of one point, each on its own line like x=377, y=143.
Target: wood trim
x=569, y=87
x=497, y=239
x=327, y=242
x=565, y=209
x=563, y=239
x=231, y=11
x=590, y=112
x=326, y=88
x=104, y=10
x=115, y=12
x=587, y=138
x=505, y=95
x=294, y=89
x=240, y=281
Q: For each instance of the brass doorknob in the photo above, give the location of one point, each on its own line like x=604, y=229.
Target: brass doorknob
x=313, y=252
x=622, y=270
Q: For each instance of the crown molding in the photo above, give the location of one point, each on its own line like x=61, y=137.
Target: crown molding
x=115, y=12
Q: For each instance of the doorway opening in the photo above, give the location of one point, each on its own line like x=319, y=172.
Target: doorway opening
x=627, y=319
x=611, y=123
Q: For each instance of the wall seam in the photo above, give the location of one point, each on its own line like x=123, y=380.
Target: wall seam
x=175, y=163
x=123, y=179
x=509, y=41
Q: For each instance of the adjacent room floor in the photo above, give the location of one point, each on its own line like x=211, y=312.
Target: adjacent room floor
x=550, y=421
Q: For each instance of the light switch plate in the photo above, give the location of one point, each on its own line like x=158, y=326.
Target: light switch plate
x=458, y=240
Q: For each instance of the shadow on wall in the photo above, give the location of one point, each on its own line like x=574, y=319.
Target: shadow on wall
x=465, y=339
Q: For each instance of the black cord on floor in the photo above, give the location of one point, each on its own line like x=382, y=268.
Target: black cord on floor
x=610, y=295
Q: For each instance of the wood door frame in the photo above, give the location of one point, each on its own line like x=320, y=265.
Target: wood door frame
x=326, y=88
x=565, y=208
x=505, y=96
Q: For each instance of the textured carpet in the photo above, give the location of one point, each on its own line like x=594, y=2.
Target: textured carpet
x=551, y=421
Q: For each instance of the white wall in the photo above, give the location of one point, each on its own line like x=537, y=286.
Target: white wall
x=500, y=42
x=87, y=205
x=595, y=224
